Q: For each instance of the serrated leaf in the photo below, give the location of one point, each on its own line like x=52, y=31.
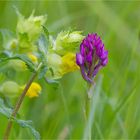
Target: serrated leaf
x=4, y=54
x=17, y=12
x=46, y=32
x=4, y=58
x=28, y=124
x=53, y=82
x=42, y=48
x=5, y=110
x=42, y=43
x=42, y=72
x=28, y=62
x=5, y=37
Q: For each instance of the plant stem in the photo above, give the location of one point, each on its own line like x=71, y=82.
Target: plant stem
x=87, y=111
x=87, y=108
x=17, y=106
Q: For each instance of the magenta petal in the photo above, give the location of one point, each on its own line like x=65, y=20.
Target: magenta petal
x=79, y=59
x=104, y=62
x=91, y=49
x=84, y=75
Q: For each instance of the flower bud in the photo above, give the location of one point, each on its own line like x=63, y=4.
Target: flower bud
x=68, y=42
x=54, y=65
x=17, y=65
x=32, y=26
x=10, y=89
x=12, y=44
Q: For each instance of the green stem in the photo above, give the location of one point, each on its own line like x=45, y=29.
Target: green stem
x=18, y=104
x=87, y=108
x=87, y=111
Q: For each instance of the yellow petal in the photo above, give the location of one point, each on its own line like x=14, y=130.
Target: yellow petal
x=32, y=57
x=34, y=90
x=69, y=63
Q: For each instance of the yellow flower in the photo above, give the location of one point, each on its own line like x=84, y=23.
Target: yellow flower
x=60, y=65
x=34, y=90
x=33, y=58
x=69, y=63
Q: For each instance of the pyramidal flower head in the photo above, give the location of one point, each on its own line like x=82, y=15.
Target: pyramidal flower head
x=92, y=56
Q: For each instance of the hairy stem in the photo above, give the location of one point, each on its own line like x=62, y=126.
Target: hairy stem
x=19, y=102
x=17, y=106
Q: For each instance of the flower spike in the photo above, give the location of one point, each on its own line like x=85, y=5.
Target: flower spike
x=92, y=56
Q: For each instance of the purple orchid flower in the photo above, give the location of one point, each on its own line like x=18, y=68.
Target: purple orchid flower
x=92, y=56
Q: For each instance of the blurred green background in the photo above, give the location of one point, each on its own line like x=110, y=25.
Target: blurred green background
x=59, y=113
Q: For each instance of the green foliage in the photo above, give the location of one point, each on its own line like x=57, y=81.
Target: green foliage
x=4, y=57
x=46, y=32
x=42, y=48
x=6, y=111
x=6, y=37
x=28, y=124
x=68, y=41
x=58, y=113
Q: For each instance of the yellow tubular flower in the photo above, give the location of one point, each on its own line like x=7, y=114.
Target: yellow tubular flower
x=69, y=63
x=34, y=90
x=33, y=58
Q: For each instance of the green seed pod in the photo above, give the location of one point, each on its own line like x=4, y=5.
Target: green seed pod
x=10, y=89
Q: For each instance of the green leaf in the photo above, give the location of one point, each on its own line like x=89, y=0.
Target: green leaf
x=28, y=62
x=42, y=43
x=4, y=54
x=28, y=124
x=52, y=82
x=46, y=32
x=5, y=37
x=5, y=57
x=42, y=48
x=5, y=110
x=43, y=71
